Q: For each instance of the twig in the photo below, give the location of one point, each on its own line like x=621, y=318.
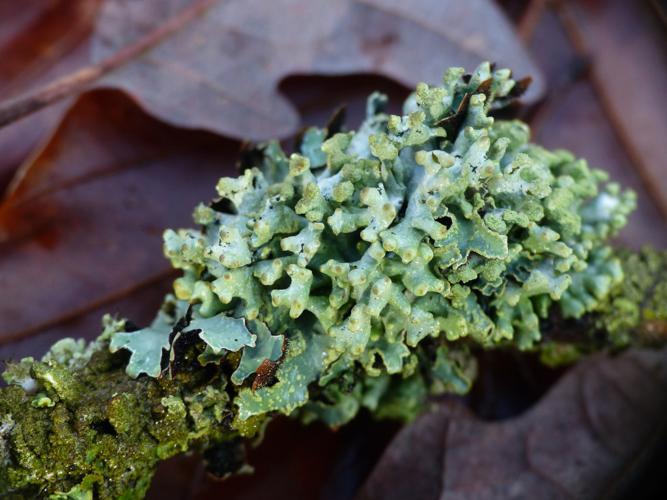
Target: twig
x=15, y=109
x=529, y=20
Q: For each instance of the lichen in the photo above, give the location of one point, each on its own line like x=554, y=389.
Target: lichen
x=361, y=245
x=633, y=313
x=362, y=271
x=637, y=311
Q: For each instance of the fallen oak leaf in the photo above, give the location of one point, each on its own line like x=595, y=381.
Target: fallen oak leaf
x=39, y=42
x=219, y=70
x=584, y=439
x=256, y=44
x=25, y=104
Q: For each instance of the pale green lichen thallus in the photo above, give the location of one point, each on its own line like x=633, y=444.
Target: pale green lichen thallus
x=361, y=245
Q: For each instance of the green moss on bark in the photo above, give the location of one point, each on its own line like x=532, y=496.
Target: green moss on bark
x=105, y=432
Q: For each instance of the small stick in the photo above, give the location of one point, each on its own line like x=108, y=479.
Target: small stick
x=529, y=20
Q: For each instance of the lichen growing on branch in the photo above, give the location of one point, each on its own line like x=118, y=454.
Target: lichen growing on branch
x=358, y=247
x=361, y=271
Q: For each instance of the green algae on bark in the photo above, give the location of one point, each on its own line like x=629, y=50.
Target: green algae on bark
x=363, y=271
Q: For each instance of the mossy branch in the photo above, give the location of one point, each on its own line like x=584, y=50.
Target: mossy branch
x=94, y=431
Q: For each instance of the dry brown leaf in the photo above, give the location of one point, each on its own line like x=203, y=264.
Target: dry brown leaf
x=84, y=226
x=626, y=43
x=220, y=72
x=39, y=40
x=585, y=439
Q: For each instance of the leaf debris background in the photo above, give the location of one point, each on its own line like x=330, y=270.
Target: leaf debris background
x=97, y=152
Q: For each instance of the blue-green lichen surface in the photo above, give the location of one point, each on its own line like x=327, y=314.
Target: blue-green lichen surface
x=347, y=256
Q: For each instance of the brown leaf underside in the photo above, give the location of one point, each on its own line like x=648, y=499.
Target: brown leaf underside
x=220, y=70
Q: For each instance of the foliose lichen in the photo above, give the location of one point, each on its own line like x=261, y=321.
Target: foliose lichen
x=443, y=224
x=361, y=271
